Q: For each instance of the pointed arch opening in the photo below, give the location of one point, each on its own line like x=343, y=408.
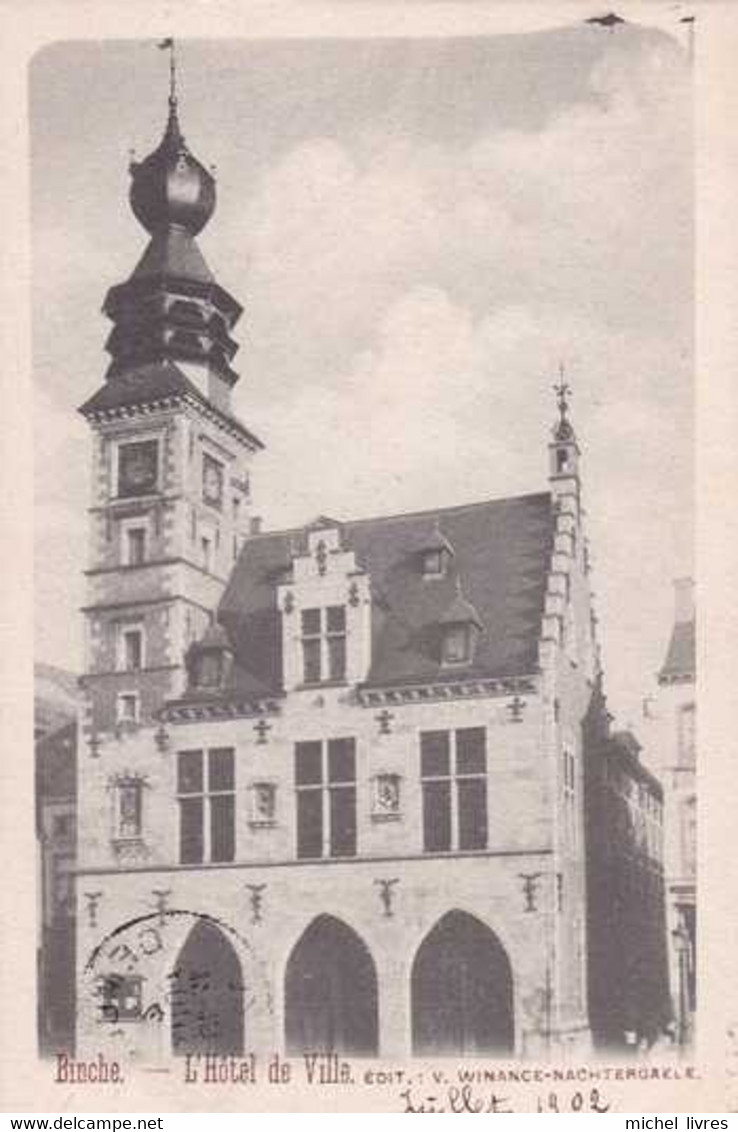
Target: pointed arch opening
x=207, y=994
x=330, y=993
x=461, y=991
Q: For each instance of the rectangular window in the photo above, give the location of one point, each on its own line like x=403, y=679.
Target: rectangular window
x=325, y=782
x=457, y=644
x=453, y=769
x=132, y=641
x=138, y=468
x=686, y=734
x=336, y=641
x=433, y=563
x=207, y=806
x=206, y=553
x=135, y=546
x=129, y=808
x=311, y=645
x=569, y=784
x=324, y=644
x=127, y=707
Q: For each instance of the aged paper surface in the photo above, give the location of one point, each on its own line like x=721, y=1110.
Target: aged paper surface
x=352, y=825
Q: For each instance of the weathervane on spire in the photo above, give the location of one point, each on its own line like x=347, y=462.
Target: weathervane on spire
x=168, y=45
x=563, y=391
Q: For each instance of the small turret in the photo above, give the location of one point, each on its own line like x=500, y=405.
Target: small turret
x=563, y=449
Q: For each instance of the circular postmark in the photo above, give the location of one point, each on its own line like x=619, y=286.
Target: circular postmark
x=172, y=981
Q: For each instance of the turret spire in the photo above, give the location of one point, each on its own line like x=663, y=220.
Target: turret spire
x=563, y=429
x=564, y=450
x=168, y=45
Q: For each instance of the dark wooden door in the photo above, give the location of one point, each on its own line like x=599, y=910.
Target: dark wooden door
x=331, y=992
x=461, y=991
x=206, y=988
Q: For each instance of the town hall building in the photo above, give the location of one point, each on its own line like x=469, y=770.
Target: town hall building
x=330, y=779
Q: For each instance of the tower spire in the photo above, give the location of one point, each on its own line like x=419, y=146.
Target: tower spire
x=169, y=45
x=563, y=391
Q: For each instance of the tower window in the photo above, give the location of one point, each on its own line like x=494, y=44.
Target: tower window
x=206, y=553
x=562, y=460
x=134, y=546
x=212, y=481
x=325, y=783
x=131, y=658
x=569, y=776
x=453, y=770
x=207, y=805
x=138, y=468
x=127, y=707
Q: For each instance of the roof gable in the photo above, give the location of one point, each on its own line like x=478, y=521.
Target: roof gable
x=502, y=554
x=680, y=657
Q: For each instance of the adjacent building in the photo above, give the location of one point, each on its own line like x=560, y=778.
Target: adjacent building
x=331, y=780
x=670, y=727
x=56, y=834
x=628, y=967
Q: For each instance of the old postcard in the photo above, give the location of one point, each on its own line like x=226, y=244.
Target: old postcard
x=367, y=356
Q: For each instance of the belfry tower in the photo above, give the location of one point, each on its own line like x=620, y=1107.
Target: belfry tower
x=170, y=476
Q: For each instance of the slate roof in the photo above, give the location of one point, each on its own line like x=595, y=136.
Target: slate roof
x=173, y=253
x=149, y=383
x=502, y=555
x=680, y=656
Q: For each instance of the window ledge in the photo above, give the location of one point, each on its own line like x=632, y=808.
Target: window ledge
x=126, y=726
x=130, y=849
x=378, y=817
x=321, y=684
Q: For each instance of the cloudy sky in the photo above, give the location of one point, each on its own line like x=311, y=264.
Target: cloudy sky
x=419, y=230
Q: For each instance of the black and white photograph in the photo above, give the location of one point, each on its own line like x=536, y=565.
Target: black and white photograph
x=365, y=668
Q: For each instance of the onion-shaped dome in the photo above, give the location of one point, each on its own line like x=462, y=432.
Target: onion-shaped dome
x=170, y=187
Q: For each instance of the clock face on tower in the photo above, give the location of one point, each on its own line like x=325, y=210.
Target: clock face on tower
x=138, y=468
x=212, y=481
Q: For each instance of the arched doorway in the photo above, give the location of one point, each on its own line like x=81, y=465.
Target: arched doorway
x=330, y=993
x=461, y=990
x=206, y=989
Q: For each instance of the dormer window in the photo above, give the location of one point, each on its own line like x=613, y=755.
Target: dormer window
x=209, y=660
x=433, y=564
x=209, y=670
x=324, y=644
x=457, y=644
x=460, y=628
x=435, y=555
